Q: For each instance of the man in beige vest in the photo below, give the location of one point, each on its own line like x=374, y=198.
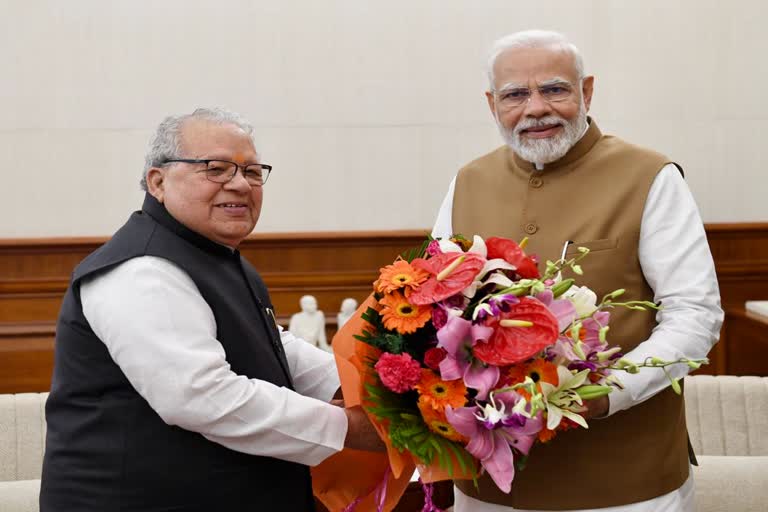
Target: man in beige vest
x=563, y=184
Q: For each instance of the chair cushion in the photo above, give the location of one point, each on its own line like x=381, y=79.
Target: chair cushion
x=20, y=496
x=22, y=435
x=733, y=483
x=727, y=415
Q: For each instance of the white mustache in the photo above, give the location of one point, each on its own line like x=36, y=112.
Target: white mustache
x=525, y=124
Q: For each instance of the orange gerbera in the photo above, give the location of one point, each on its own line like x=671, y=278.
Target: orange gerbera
x=538, y=370
x=400, y=315
x=437, y=423
x=438, y=393
x=546, y=435
x=399, y=275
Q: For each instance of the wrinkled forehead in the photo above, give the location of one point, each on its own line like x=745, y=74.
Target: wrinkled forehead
x=531, y=66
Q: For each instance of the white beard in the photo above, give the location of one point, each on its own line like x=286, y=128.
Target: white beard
x=544, y=151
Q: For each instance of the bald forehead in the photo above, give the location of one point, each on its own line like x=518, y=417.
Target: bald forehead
x=197, y=127
x=531, y=66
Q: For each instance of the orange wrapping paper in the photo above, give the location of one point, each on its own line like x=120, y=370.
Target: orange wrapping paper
x=349, y=474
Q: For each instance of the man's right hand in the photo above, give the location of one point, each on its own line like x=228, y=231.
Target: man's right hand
x=361, y=434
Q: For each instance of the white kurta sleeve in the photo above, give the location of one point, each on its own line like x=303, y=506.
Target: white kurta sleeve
x=162, y=335
x=443, y=227
x=313, y=369
x=677, y=263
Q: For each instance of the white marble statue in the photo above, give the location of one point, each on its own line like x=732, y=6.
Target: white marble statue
x=309, y=324
x=348, y=307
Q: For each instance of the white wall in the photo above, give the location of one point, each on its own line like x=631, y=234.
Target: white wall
x=366, y=109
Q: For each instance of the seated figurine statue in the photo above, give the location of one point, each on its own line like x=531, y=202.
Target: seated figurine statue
x=348, y=307
x=309, y=324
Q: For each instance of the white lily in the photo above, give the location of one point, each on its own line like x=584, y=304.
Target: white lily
x=563, y=401
x=496, y=277
x=478, y=246
x=583, y=299
x=448, y=246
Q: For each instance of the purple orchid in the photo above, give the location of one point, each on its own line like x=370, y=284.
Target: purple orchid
x=591, y=353
x=494, y=307
x=494, y=430
x=453, y=305
x=592, y=326
x=457, y=337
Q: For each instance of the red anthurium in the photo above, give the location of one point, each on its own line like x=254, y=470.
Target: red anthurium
x=450, y=273
x=509, y=251
x=536, y=329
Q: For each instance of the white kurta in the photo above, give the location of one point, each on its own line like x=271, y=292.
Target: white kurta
x=677, y=263
x=162, y=335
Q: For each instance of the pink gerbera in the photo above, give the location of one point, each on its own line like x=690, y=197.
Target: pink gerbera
x=398, y=372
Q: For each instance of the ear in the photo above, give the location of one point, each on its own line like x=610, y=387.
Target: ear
x=587, y=87
x=156, y=183
x=491, y=103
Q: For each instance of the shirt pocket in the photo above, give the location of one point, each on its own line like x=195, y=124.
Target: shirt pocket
x=603, y=244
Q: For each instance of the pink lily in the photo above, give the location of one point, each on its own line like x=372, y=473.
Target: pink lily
x=457, y=337
x=562, y=309
x=494, y=430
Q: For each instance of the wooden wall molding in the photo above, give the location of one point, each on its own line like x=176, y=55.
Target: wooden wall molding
x=34, y=274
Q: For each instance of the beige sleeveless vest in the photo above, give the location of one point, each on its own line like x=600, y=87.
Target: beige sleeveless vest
x=594, y=196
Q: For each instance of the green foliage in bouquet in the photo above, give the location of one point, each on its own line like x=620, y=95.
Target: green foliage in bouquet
x=408, y=431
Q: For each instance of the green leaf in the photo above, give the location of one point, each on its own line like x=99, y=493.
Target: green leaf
x=459, y=457
x=416, y=252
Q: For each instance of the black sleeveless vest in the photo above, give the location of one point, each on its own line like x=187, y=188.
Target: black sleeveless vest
x=107, y=449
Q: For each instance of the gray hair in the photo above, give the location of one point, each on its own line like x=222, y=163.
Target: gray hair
x=166, y=142
x=533, y=39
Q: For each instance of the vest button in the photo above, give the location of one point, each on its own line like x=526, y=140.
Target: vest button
x=536, y=182
x=531, y=228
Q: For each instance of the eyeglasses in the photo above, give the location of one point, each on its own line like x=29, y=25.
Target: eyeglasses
x=514, y=97
x=223, y=171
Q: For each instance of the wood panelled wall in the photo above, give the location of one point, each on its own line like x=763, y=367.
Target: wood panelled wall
x=34, y=274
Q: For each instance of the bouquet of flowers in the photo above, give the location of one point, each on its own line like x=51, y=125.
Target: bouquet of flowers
x=468, y=356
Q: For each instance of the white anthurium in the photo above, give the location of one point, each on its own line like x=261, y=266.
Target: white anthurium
x=563, y=401
x=583, y=299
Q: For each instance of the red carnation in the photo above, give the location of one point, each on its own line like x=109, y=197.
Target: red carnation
x=398, y=372
x=433, y=357
x=509, y=251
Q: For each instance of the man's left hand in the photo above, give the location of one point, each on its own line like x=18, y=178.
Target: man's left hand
x=596, y=408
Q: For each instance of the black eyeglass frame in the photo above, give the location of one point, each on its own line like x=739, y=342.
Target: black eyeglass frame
x=207, y=161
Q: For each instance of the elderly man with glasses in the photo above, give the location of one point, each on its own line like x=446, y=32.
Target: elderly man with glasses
x=174, y=389
x=563, y=184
